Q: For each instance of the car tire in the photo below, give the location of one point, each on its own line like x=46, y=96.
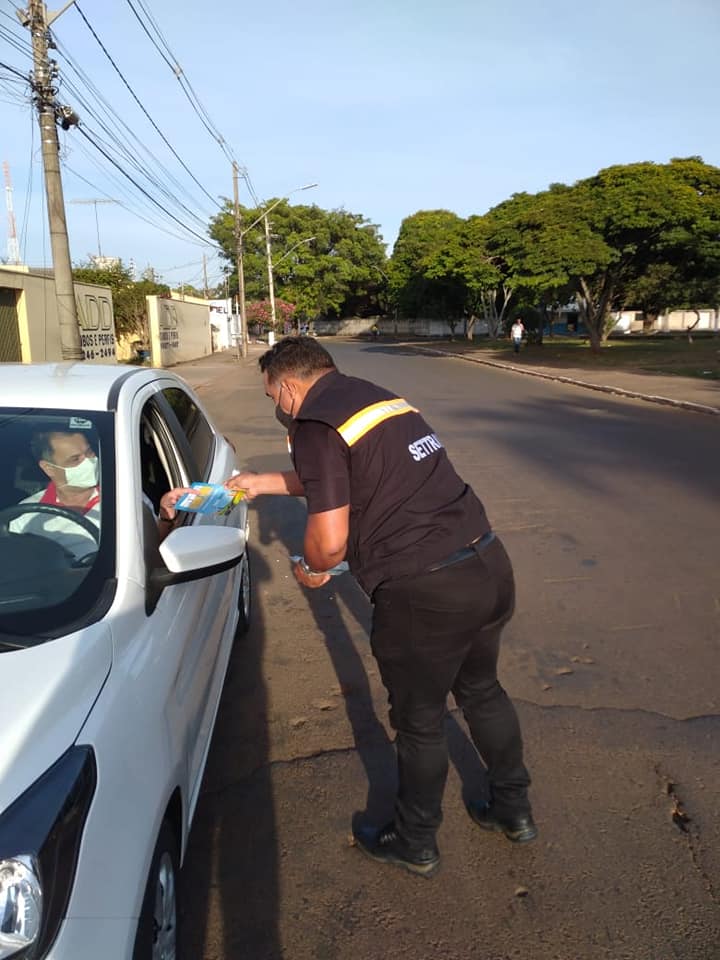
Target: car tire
x=157, y=932
x=244, y=597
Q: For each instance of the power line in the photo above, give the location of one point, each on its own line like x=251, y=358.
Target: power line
x=134, y=213
x=171, y=60
x=142, y=107
x=122, y=146
x=137, y=185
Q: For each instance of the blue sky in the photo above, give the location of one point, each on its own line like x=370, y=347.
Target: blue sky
x=391, y=106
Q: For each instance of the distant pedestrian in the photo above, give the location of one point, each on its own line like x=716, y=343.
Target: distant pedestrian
x=517, y=332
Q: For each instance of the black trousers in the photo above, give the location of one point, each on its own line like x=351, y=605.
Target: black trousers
x=437, y=633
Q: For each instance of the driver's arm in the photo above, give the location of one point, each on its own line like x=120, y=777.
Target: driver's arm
x=167, y=514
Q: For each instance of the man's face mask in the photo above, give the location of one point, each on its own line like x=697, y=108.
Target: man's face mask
x=284, y=418
x=83, y=475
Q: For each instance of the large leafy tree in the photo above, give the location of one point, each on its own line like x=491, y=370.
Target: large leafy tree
x=328, y=263
x=423, y=282
x=638, y=230
x=129, y=305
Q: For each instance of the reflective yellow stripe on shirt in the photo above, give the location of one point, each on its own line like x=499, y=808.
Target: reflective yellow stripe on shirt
x=370, y=417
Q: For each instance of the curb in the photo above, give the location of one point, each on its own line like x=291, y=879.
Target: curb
x=602, y=388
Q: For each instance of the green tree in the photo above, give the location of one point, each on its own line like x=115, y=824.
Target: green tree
x=637, y=218
x=423, y=281
x=328, y=263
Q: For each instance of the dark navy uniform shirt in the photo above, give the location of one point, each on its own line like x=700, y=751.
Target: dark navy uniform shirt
x=355, y=443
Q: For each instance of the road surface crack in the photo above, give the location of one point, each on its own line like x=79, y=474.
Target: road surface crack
x=685, y=825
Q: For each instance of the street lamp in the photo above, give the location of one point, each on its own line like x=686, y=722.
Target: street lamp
x=268, y=248
x=293, y=247
x=239, y=234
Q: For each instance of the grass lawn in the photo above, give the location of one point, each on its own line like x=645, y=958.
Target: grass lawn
x=656, y=355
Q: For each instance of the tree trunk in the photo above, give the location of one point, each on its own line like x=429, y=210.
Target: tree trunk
x=690, y=329
x=648, y=321
x=470, y=326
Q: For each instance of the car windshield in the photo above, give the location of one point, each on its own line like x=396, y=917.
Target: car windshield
x=56, y=529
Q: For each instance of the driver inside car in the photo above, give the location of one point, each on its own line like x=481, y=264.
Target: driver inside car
x=72, y=468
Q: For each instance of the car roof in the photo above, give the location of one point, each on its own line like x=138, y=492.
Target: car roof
x=70, y=386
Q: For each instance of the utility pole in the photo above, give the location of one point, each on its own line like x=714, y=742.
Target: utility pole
x=37, y=20
x=205, y=283
x=271, y=284
x=240, y=271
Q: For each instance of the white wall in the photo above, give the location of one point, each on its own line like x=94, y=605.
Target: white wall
x=37, y=317
x=179, y=329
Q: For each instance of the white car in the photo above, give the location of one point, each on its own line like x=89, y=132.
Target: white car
x=112, y=657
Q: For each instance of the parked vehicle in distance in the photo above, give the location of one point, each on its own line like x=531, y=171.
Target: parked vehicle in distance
x=114, y=643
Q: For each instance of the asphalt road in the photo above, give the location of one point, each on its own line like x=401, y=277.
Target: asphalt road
x=609, y=509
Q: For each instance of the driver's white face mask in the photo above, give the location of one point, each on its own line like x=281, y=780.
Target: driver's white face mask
x=83, y=475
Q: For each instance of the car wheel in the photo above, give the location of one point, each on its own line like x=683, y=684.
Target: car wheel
x=157, y=937
x=244, y=597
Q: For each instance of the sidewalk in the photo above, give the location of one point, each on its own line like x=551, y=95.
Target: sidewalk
x=689, y=393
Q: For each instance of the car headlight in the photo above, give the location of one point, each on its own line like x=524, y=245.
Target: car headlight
x=39, y=842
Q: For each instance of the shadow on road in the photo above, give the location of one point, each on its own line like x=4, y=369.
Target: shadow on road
x=230, y=877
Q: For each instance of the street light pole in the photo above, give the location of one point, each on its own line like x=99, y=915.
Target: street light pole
x=239, y=234
x=268, y=247
x=271, y=284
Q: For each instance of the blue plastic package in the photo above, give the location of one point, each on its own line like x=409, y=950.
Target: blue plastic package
x=210, y=498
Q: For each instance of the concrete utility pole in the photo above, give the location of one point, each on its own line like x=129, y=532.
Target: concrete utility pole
x=240, y=270
x=37, y=20
x=206, y=291
x=271, y=283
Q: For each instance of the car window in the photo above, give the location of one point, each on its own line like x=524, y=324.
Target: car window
x=57, y=524
x=198, y=431
x=162, y=465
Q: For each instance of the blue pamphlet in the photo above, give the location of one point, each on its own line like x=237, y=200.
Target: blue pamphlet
x=210, y=498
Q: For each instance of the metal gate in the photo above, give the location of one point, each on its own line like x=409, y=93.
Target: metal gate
x=10, y=348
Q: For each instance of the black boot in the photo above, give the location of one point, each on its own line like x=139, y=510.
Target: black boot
x=387, y=846
x=519, y=828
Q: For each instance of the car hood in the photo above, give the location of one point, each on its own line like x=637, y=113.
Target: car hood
x=47, y=693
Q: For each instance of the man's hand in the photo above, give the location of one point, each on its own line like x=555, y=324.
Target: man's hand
x=311, y=580
x=168, y=500
x=249, y=483
x=253, y=484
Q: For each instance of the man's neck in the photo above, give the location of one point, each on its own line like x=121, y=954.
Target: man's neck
x=75, y=496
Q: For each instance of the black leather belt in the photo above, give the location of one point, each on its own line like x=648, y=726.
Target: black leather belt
x=464, y=553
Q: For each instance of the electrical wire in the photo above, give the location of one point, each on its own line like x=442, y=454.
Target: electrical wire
x=142, y=107
x=28, y=192
x=120, y=186
x=187, y=88
x=132, y=212
x=121, y=145
x=109, y=158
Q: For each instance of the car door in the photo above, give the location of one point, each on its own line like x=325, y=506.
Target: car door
x=193, y=616
x=212, y=459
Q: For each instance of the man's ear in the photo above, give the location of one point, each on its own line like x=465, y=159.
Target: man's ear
x=47, y=468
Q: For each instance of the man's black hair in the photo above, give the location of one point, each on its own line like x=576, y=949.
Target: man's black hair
x=301, y=357
x=41, y=444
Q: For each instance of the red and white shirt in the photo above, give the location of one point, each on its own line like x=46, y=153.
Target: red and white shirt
x=63, y=530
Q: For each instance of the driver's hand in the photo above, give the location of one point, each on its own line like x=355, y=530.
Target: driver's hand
x=168, y=500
